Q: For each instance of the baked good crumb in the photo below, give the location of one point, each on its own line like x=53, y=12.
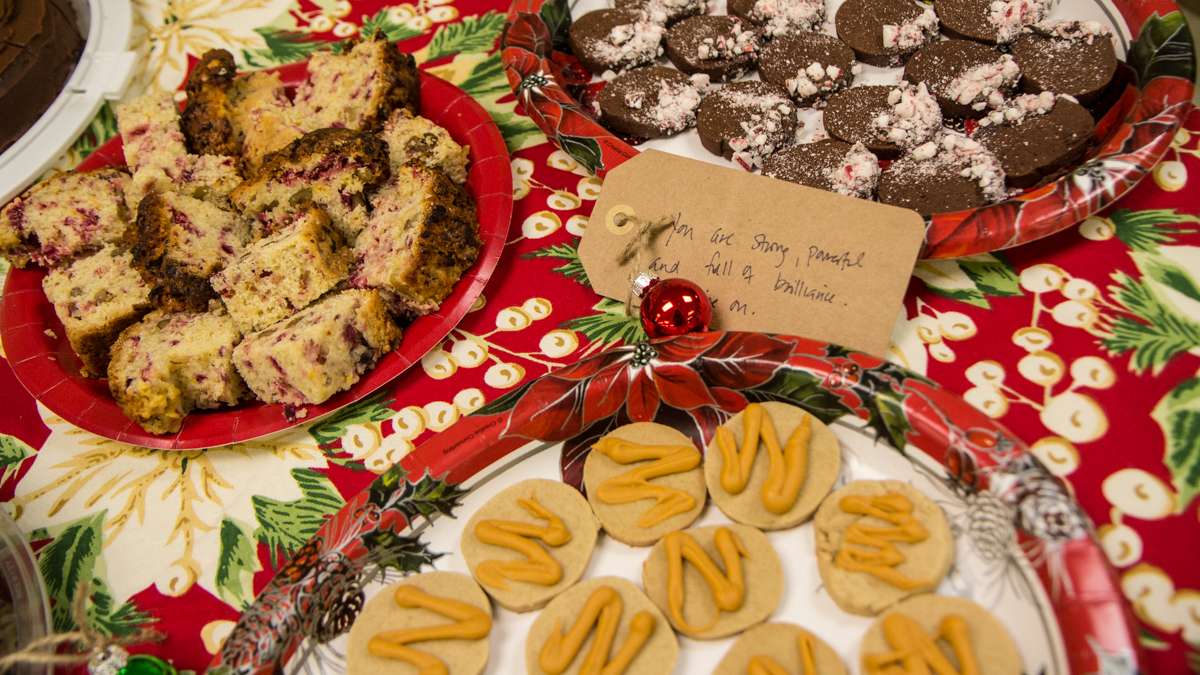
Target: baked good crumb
x=171, y=363
x=411, y=138
x=207, y=119
x=263, y=115
x=95, y=298
x=281, y=274
x=64, y=216
x=319, y=351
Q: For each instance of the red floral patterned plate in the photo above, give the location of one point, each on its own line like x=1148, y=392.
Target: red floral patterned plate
x=1146, y=108
x=1024, y=547
x=37, y=349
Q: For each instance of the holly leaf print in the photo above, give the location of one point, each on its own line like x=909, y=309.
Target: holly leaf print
x=1178, y=414
x=13, y=451
x=472, y=34
x=374, y=408
x=236, y=564
x=424, y=498
x=111, y=619
x=609, y=325
x=1148, y=229
x=282, y=46
x=285, y=526
x=1154, y=331
x=1163, y=47
x=400, y=552
x=66, y=562
x=971, y=279
x=803, y=389
x=486, y=82
x=584, y=149
x=573, y=269
x=556, y=14
x=382, y=22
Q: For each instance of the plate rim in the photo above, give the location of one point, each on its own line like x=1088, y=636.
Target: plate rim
x=36, y=357
x=537, y=71
x=978, y=452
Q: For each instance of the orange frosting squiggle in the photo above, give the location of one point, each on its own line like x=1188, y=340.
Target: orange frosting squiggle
x=470, y=623
x=728, y=588
x=634, y=485
x=765, y=665
x=915, y=652
x=787, y=468
x=538, y=567
x=871, y=549
x=601, y=614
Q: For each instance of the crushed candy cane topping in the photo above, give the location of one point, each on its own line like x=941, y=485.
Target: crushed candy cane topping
x=814, y=79
x=631, y=44
x=1016, y=109
x=914, y=116
x=911, y=34
x=1010, y=16
x=1087, y=31
x=858, y=173
x=779, y=17
x=765, y=131
x=676, y=107
x=984, y=85
x=740, y=42
x=660, y=11
x=952, y=149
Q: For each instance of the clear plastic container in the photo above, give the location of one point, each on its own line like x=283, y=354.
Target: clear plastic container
x=24, y=609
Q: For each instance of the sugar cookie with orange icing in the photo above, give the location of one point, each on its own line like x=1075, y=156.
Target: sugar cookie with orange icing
x=427, y=619
x=785, y=646
x=942, y=633
x=530, y=542
x=606, y=622
x=779, y=482
x=879, y=542
x=714, y=581
x=644, y=480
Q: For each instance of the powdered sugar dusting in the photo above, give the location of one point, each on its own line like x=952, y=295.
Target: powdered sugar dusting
x=1087, y=31
x=914, y=116
x=814, y=79
x=1010, y=16
x=985, y=84
x=857, y=174
x=911, y=34
x=780, y=17
x=630, y=44
x=1015, y=110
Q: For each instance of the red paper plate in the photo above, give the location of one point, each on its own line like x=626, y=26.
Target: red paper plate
x=1011, y=512
x=1146, y=107
x=37, y=349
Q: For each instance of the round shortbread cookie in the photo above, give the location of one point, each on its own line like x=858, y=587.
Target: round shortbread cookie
x=761, y=570
x=824, y=463
x=620, y=521
x=656, y=657
x=926, y=561
x=781, y=642
x=381, y=613
x=994, y=649
x=563, y=501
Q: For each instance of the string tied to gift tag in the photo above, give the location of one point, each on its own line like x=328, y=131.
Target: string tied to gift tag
x=647, y=232
x=104, y=654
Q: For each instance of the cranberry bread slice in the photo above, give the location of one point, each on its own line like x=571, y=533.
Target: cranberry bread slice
x=207, y=119
x=277, y=276
x=150, y=132
x=318, y=352
x=332, y=168
x=181, y=241
x=422, y=236
x=411, y=138
x=169, y=364
x=64, y=216
x=263, y=116
x=96, y=297
x=359, y=88
x=208, y=177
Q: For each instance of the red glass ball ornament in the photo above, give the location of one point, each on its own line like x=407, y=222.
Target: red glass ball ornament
x=674, y=307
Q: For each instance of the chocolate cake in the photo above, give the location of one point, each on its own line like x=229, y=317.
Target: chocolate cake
x=1035, y=136
x=1075, y=58
x=885, y=119
x=810, y=66
x=649, y=102
x=615, y=39
x=883, y=32
x=949, y=173
x=780, y=17
x=39, y=47
x=966, y=77
x=829, y=164
x=991, y=21
x=747, y=122
x=722, y=47
x=665, y=12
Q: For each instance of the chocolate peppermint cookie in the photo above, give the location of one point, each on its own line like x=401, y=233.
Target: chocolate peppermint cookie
x=949, y=173
x=1035, y=136
x=830, y=164
x=884, y=32
x=722, y=47
x=780, y=17
x=649, y=102
x=991, y=21
x=885, y=119
x=665, y=12
x=966, y=77
x=615, y=39
x=810, y=66
x=1075, y=58
x=746, y=122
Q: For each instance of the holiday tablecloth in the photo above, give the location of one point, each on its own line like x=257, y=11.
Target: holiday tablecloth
x=1086, y=344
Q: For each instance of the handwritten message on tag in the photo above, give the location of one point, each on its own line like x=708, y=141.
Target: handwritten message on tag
x=773, y=256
